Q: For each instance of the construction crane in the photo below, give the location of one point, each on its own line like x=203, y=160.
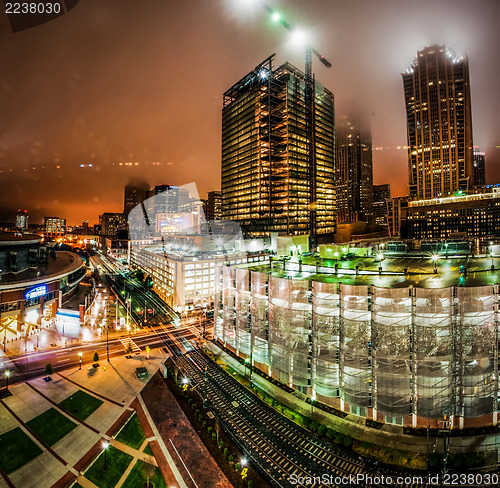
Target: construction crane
x=277, y=17
x=309, y=106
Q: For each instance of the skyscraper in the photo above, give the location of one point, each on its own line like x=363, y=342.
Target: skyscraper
x=380, y=194
x=267, y=185
x=135, y=193
x=22, y=219
x=439, y=121
x=354, y=171
x=479, y=168
x=213, y=206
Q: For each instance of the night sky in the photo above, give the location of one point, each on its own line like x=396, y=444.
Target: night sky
x=131, y=88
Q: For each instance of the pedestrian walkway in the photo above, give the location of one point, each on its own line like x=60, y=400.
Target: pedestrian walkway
x=194, y=462
x=170, y=470
x=116, y=387
x=128, y=343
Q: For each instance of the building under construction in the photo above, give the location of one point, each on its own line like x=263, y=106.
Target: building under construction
x=270, y=182
x=378, y=347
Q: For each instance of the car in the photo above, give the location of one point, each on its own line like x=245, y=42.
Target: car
x=348, y=256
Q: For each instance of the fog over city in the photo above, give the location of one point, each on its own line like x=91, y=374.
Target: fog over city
x=118, y=89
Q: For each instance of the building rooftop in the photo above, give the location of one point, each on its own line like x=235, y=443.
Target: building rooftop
x=62, y=265
x=420, y=271
x=13, y=238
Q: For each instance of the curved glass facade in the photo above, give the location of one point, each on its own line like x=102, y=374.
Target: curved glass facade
x=406, y=355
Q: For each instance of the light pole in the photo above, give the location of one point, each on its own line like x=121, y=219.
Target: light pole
x=491, y=254
x=80, y=358
x=105, y=446
x=204, y=321
x=380, y=258
x=107, y=340
x=247, y=360
x=7, y=374
x=205, y=390
x=434, y=259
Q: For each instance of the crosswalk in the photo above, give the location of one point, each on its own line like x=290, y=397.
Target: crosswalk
x=127, y=342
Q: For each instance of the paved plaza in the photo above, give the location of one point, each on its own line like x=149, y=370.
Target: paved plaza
x=95, y=403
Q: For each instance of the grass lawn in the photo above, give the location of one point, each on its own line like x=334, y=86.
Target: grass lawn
x=81, y=404
x=137, y=476
x=51, y=426
x=132, y=433
x=148, y=450
x=116, y=463
x=16, y=450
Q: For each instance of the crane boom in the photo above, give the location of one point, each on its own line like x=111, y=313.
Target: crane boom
x=274, y=14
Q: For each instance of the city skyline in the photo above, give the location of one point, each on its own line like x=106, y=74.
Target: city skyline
x=105, y=98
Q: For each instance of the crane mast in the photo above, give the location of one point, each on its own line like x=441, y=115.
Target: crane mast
x=310, y=129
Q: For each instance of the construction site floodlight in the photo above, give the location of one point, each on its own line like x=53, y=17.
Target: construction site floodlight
x=299, y=38
x=263, y=74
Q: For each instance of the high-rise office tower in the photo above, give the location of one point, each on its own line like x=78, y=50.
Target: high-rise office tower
x=22, y=219
x=479, y=168
x=213, y=206
x=438, y=109
x=267, y=185
x=168, y=201
x=380, y=195
x=113, y=224
x=354, y=171
x=54, y=226
x=135, y=193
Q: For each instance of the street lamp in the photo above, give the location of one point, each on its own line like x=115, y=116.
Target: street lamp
x=491, y=254
x=105, y=446
x=247, y=360
x=435, y=258
x=7, y=374
x=80, y=358
x=380, y=258
x=107, y=340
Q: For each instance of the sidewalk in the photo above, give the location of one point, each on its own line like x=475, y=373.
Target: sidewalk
x=51, y=339
x=195, y=463
x=116, y=386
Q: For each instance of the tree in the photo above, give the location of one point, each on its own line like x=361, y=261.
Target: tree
x=149, y=472
x=129, y=348
x=96, y=356
x=49, y=369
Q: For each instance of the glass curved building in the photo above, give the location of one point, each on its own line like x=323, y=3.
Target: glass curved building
x=404, y=355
